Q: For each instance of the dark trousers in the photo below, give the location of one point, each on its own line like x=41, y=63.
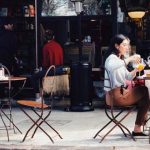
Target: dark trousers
x=138, y=95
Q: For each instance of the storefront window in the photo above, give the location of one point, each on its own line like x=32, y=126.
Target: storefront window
x=66, y=7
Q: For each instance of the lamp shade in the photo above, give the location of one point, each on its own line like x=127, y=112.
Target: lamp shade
x=136, y=14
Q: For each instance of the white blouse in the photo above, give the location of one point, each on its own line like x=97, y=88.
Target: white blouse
x=118, y=72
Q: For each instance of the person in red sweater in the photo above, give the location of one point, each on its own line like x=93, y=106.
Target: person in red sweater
x=52, y=55
x=52, y=51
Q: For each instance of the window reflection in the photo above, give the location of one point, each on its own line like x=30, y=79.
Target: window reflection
x=66, y=7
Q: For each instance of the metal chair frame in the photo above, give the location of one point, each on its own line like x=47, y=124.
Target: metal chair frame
x=109, y=111
x=41, y=117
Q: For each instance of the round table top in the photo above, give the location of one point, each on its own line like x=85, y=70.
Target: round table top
x=12, y=78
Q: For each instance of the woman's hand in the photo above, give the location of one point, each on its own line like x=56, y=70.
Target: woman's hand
x=133, y=72
x=135, y=59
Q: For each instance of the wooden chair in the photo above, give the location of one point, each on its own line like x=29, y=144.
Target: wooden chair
x=115, y=117
x=42, y=118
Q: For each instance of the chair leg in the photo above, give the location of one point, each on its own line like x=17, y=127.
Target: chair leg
x=119, y=123
x=11, y=121
x=111, y=120
x=5, y=126
x=39, y=124
x=10, y=114
x=145, y=125
x=44, y=120
x=149, y=134
x=124, y=127
x=35, y=123
x=113, y=128
x=102, y=129
x=11, y=118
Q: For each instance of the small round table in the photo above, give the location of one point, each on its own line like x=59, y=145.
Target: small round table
x=8, y=80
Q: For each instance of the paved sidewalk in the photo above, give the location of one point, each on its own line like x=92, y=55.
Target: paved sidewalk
x=77, y=130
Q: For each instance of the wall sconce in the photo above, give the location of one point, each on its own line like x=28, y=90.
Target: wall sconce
x=136, y=14
x=78, y=6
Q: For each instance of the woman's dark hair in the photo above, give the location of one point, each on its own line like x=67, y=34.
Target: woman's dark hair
x=117, y=39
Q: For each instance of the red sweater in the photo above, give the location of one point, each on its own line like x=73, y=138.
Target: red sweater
x=52, y=54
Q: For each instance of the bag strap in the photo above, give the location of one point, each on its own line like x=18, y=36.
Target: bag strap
x=52, y=66
x=132, y=82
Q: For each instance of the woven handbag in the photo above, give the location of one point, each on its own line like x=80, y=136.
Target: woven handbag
x=48, y=82
x=56, y=84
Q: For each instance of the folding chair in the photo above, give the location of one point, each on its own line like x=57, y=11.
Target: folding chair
x=115, y=117
x=146, y=126
x=8, y=116
x=42, y=117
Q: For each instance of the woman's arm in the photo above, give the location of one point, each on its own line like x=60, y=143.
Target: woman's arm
x=135, y=58
x=133, y=72
x=113, y=62
x=131, y=75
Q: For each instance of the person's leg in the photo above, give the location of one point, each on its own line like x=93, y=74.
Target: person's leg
x=36, y=78
x=59, y=70
x=142, y=106
x=138, y=95
x=35, y=81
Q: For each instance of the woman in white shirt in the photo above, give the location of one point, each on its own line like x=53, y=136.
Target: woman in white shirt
x=115, y=64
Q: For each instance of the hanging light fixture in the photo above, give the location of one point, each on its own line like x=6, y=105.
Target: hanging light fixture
x=135, y=9
x=136, y=14
x=78, y=5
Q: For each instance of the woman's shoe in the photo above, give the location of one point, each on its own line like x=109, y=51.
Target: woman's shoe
x=138, y=134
